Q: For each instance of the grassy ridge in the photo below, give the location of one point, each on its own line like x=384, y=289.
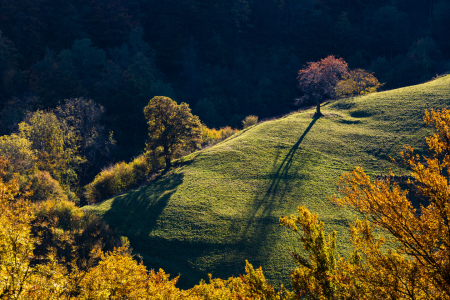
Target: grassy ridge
x=222, y=206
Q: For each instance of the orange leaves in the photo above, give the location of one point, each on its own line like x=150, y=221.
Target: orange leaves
x=415, y=264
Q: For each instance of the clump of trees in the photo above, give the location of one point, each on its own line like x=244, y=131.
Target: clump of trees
x=59, y=149
x=318, y=80
x=331, y=77
x=66, y=148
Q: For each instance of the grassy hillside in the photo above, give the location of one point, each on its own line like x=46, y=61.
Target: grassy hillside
x=223, y=205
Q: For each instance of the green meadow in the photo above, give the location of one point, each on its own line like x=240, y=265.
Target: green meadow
x=222, y=204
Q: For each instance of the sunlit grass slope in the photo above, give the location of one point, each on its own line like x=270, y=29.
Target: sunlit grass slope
x=223, y=205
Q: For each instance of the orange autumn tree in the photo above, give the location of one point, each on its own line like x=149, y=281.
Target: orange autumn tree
x=416, y=262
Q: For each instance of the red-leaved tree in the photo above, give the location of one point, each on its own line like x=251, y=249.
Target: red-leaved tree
x=318, y=80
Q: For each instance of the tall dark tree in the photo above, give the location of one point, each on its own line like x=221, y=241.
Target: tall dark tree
x=84, y=118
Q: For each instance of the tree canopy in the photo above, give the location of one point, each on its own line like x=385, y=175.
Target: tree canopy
x=357, y=82
x=172, y=128
x=318, y=80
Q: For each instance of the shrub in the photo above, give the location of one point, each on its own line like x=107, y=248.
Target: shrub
x=141, y=167
x=250, y=121
x=123, y=176
x=213, y=136
x=226, y=132
x=117, y=179
x=44, y=187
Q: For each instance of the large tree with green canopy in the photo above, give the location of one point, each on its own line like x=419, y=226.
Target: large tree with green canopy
x=172, y=128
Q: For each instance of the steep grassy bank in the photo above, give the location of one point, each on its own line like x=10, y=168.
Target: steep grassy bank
x=223, y=205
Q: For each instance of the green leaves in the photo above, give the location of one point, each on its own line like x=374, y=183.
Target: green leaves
x=172, y=128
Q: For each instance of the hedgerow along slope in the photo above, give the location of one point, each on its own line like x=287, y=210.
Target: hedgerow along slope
x=222, y=206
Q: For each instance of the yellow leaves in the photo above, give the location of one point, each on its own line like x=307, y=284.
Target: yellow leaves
x=250, y=286
x=117, y=276
x=16, y=244
x=357, y=82
x=211, y=135
x=315, y=274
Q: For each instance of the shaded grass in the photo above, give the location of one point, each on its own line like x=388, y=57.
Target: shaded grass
x=222, y=206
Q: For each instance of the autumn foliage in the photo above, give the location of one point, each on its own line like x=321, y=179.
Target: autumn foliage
x=118, y=178
x=318, y=80
x=211, y=136
x=357, y=82
x=401, y=244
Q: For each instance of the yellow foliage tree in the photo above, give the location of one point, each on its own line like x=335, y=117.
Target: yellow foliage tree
x=54, y=146
x=21, y=157
x=111, y=275
x=416, y=262
x=357, y=82
x=20, y=278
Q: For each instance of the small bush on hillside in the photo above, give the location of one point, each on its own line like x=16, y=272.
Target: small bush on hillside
x=117, y=179
x=44, y=187
x=250, y=121
x=213, y=136
x=141, y=167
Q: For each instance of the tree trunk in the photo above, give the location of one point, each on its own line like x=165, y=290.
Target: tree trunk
x=168, y=162
x=155, y=160
x=318, y=114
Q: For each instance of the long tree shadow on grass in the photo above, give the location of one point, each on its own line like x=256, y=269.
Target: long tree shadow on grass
x=136, y=216
x=261, y=220
x=282, y=173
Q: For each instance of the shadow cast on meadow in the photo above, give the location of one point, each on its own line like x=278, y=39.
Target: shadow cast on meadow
x=271, y=195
